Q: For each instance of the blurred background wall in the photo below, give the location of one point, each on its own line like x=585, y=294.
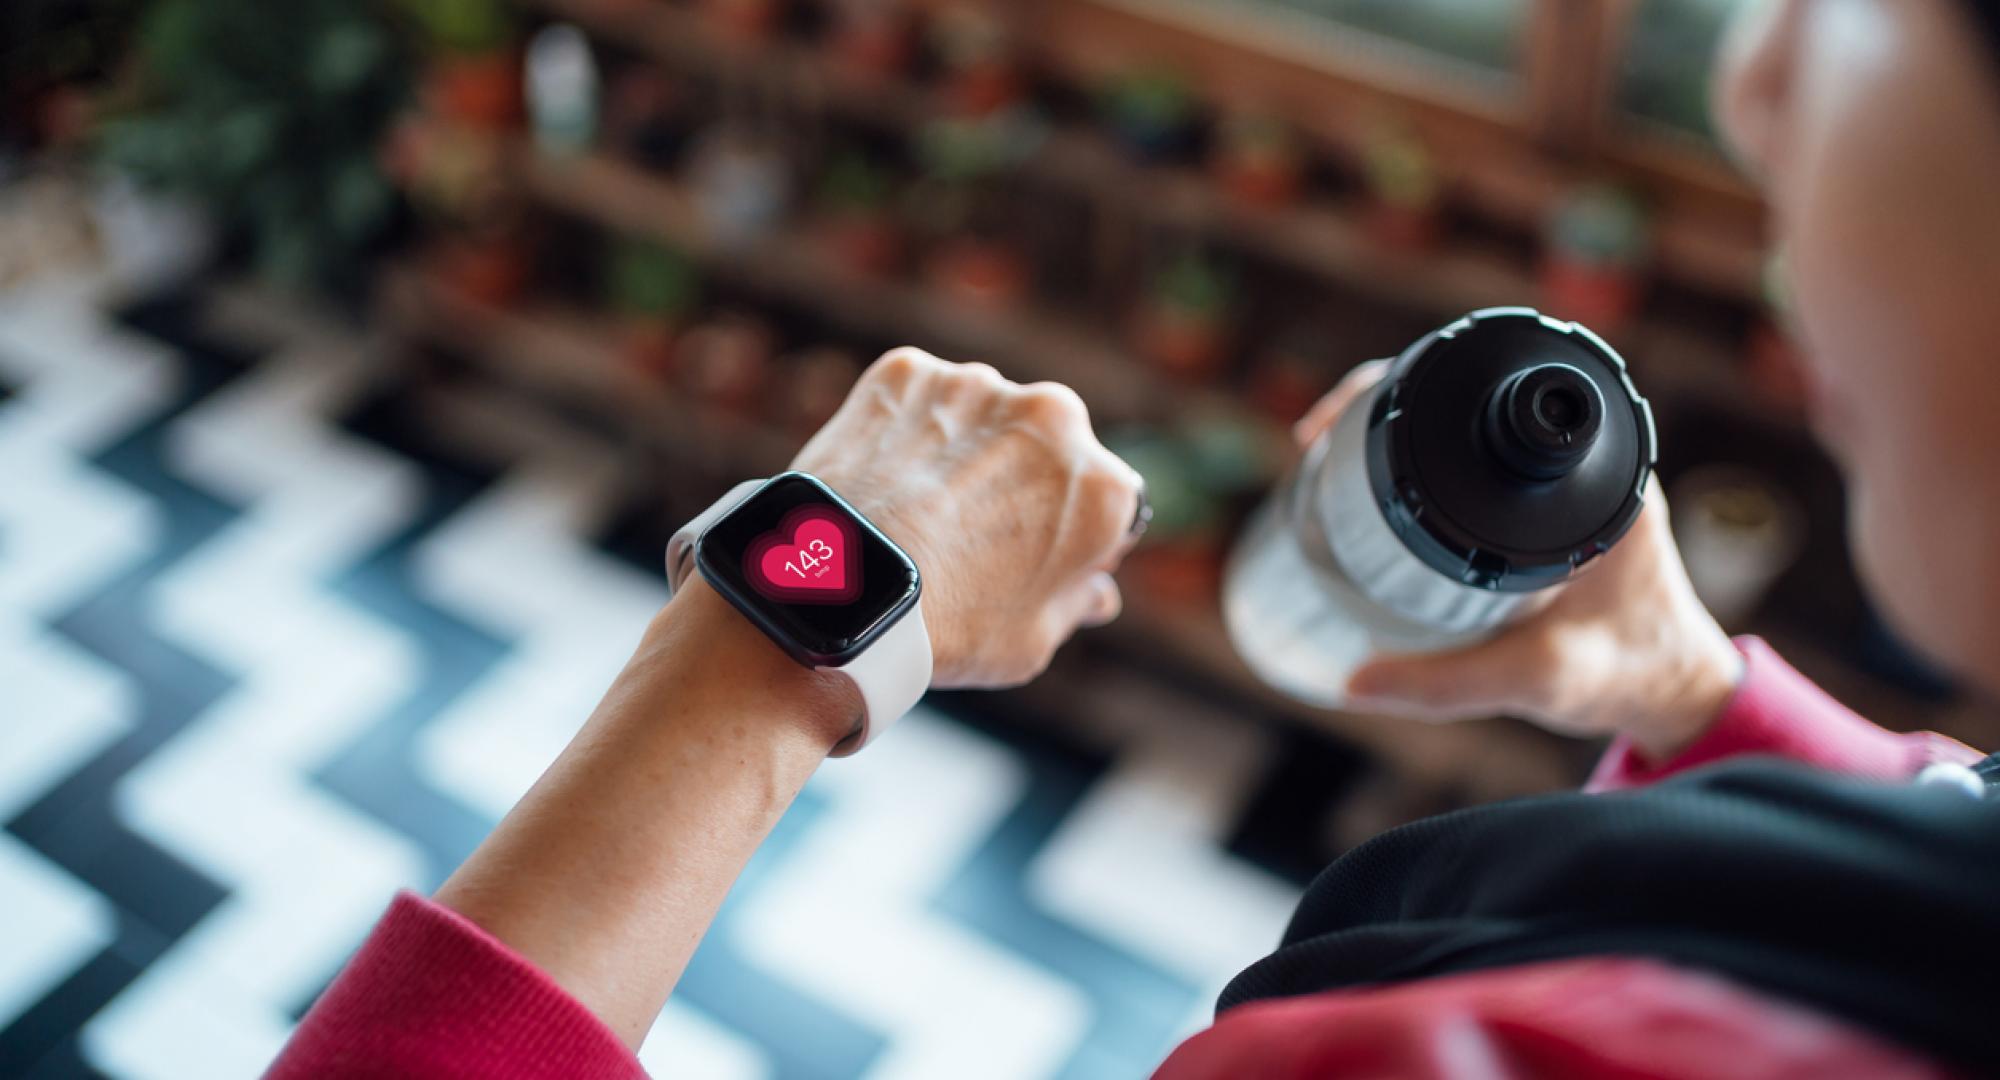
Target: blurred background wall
x=358, y=356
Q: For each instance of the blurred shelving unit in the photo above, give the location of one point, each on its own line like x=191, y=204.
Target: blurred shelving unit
x=573, y=358
x=1028, y=344
x=1506, y=153
x=1722, y=251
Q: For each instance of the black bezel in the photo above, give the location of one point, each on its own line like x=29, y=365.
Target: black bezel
x=784, y=623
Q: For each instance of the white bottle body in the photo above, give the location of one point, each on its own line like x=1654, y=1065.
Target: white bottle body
x=1319, y=582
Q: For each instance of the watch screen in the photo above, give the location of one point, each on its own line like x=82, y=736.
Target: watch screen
x=798, y=559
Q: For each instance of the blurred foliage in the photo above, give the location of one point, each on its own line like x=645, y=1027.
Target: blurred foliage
x=465, y=27
x=1195, y=285
x=270, y=115
x=649, y=279
x=1400, y=169
x=854, y=182
x=1600, y=225
x=1182, y=506
x=1148, y=99
x=962, y=150
x=1151, y=110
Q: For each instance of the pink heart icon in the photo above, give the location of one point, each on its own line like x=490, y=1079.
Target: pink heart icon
x=812, y=557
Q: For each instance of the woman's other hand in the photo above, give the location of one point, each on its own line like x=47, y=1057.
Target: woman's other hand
x=1625, y=648
x=1014, y=512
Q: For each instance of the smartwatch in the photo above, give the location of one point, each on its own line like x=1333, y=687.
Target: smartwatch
x=823, y=582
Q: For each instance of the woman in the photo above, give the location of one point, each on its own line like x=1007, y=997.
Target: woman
x=1742, y=919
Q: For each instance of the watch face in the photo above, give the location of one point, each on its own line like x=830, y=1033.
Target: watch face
x=808, y=569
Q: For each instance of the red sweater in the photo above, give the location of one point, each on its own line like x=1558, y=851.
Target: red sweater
x=430, y=994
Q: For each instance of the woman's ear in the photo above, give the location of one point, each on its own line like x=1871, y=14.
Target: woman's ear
x=1753, y=87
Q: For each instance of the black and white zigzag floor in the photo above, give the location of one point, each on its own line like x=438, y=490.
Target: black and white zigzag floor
x=277, y=639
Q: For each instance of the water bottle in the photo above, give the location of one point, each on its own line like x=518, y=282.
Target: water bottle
x=1497, y=457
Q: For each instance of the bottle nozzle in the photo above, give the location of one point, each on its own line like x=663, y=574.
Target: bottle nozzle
x=1541, y=422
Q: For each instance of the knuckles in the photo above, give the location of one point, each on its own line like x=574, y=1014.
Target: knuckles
x=1054, y=405
x=984, y=376
x=900, y=367
x=1111, y=499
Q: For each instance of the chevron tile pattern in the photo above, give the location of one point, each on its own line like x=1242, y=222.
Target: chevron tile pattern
x=284, y=629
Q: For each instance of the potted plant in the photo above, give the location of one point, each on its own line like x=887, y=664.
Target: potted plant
x=476, y=238
x=1292, y=372
x=1150, y=111
x=1179, y=562
x=815, y=384
x=960, y=204
x=981, y=271
x=1405, y=193
x=653, y=290
x=746, y=20
x=1593, y=257
x=472, y=72
x=976, y=52
x=872, y=36
x=727, y=362
x=1182, y=324
x=856, y=225
x=1258, y=160
x=269, y=116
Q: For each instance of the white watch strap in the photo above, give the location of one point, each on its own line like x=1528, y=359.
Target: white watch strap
x=680, y=550
x=892, y=674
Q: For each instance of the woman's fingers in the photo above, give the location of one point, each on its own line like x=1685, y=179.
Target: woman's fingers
x=1479, y=680
x=1095, y=601
x=1328, y=409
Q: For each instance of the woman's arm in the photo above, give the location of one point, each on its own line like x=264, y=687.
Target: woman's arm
x=609, y=871
x=607, y=874
x=551, y=950
x=1627, y=650
x=1778, y=712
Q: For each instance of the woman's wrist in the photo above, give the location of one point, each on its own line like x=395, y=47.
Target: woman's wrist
x=714, y=651
x=1699, y=690
x=633, y=836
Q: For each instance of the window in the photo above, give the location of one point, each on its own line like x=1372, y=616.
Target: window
x=1465, y=41
x=1670, y=54
x=1483, y=33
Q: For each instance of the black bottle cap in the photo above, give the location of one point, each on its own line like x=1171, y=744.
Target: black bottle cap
x=1508, y=449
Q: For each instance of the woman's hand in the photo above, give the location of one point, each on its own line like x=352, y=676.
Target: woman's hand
x=1625, y=648
x=1014, y=512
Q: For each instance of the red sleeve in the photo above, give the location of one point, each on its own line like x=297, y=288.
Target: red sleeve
x=1778, y=711
x=431, y=995
x=1599, y=1018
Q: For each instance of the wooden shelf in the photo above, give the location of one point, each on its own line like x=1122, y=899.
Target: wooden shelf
x=1026, y=344
x=1318, y=239
x=572, y=358
x=1508, y=156
x=688, y=41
